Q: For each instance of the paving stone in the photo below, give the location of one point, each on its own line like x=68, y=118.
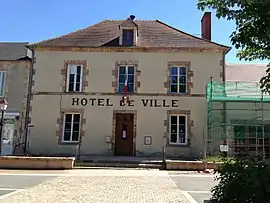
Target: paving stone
x=105, y=186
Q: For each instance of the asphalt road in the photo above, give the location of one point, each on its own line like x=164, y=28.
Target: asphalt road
x=197, y=186
x=22, y=181
x=10, y=184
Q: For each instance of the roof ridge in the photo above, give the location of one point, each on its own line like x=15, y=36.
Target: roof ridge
x=193, y=36
x=133, y=20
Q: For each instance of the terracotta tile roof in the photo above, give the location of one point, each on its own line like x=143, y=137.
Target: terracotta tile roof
x=150, y=34
x=245, y=72
x=128, y=23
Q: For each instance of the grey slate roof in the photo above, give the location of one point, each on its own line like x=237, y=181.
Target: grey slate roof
x=151, y=33
x=11, y=51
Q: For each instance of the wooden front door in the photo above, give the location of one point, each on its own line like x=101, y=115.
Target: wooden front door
x=124, y=135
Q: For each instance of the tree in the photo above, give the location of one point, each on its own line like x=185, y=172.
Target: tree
x=242, y=181
x=252, y=33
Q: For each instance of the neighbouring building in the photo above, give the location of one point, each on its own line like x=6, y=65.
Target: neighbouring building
x=15, y=60
x=79, y=83
x=239, y=112
x=236, y=72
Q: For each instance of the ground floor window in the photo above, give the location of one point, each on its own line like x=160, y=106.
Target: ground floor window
x=71, y=127
x=178, y=129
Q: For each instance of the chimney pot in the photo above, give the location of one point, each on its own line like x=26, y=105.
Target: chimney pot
x=206, y=26
x=132, y=17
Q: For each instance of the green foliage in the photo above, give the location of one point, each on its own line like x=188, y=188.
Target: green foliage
x=216, y=159
x=252, y=32
x=243, y=181
x=265, y=81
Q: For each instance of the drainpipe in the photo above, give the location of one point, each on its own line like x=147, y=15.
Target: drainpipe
x=224, y=105
x=28, y=100
x=224, y=67
x=164, y=165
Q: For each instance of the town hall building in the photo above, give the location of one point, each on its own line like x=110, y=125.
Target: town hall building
x=80, y=80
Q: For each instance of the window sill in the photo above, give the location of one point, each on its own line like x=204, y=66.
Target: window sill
x=177, y=93
x=179, y=145
x=127, y=45
x=68, y=143
x=79, y=92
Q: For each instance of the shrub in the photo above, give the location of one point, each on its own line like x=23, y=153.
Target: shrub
x=216, y=159
x=242, y=181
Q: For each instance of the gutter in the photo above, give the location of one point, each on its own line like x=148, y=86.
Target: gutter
x=28, y=100
x=34, y=46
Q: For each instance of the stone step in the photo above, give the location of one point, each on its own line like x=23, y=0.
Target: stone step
x=117, y=165
x=123, y=161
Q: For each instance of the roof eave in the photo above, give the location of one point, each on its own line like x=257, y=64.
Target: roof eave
x=227, y=50
x=223, y=49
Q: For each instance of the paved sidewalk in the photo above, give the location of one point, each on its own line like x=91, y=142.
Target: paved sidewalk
x=114, y=186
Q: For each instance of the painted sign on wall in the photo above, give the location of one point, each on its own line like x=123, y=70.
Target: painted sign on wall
x=107, y=102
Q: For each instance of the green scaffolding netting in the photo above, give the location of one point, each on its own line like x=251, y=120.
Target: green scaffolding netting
x=235, y=91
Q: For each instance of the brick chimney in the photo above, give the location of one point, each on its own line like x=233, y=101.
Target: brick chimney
x=206, y=26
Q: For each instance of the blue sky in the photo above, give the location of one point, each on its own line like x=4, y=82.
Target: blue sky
x=36, y=20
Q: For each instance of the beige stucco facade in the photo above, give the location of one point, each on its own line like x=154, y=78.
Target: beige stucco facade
x=16, y=89
x=50, y=101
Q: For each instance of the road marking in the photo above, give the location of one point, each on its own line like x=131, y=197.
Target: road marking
x=11, y=193
x=188, y=197
x=92, y=175
x=10, y=189
x=29, y=174
x=192, y=176
x=185, y=194
x=201, y=192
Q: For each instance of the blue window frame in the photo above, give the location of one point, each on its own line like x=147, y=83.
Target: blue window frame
x=123, y=72
x=128, y=38
x=3, y=75
x=178, y=79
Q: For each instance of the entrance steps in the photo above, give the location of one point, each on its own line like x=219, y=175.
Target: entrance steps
x=119, y=162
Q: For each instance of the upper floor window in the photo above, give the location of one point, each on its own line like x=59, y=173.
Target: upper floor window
x=178, y=80
x=74, y=78
x=128, y=37
x=178, y=129
x=2, y=83
x=71, y=127
x=126, y=75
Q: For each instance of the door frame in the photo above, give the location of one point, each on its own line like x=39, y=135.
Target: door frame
x=134, y=112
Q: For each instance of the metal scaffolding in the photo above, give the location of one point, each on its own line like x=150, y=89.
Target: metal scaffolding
x=238, y=119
